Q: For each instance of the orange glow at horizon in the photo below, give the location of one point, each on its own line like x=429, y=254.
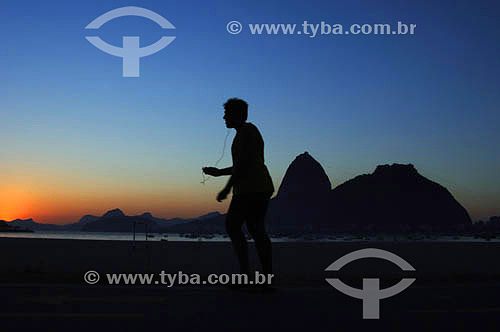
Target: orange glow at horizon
x=15, y=202
x=60, y=198
x=56, y=204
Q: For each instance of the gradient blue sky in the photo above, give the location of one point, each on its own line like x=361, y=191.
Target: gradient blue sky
x=76, y=137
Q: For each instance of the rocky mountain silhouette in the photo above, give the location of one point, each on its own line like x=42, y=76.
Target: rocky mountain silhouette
x=302, y=196
x=304, y=176
x=395, y=196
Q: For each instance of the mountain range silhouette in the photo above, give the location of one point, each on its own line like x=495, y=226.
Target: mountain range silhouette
x=393, y=197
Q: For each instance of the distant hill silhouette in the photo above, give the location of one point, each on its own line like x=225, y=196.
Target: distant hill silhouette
x=116, y=221
x=165, y=223
x=212, y=223
x=115, y=213
x=83, y=221
x=6, y=227
x=31, y=224
x=111, y=221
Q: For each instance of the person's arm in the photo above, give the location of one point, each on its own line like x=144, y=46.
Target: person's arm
x=226, y=171
x=214, y=171
x=237, y=171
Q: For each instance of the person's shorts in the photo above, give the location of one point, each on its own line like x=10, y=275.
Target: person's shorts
x=251, y=206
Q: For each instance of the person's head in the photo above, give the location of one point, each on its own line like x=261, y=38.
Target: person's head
x=235, y=112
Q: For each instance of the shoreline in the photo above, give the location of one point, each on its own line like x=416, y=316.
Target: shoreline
x=216, y=237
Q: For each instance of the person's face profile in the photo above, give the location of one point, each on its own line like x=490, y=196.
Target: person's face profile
x=231, y=118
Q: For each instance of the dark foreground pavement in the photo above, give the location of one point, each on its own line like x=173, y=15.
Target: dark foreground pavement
x=427, y=307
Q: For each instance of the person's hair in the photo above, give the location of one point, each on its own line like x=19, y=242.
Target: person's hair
x=237, y=105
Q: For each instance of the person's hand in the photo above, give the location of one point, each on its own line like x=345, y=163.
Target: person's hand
x=223, y=194
x=213, y=171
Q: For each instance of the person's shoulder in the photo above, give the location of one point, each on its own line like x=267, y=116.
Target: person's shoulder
x=247, y=132
x=250, y=130
x=251, y=127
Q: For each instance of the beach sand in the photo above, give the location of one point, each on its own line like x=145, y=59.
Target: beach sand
x=299, y=264
x=42, y=287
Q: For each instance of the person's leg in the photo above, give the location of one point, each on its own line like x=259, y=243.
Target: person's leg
x=256, y=227
x=234, y=220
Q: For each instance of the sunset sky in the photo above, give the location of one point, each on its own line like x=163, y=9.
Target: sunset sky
x=77, y=138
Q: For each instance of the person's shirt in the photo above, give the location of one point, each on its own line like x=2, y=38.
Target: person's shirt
x=248, y=159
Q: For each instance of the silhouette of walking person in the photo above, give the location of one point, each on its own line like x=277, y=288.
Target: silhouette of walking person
x=251, y=184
